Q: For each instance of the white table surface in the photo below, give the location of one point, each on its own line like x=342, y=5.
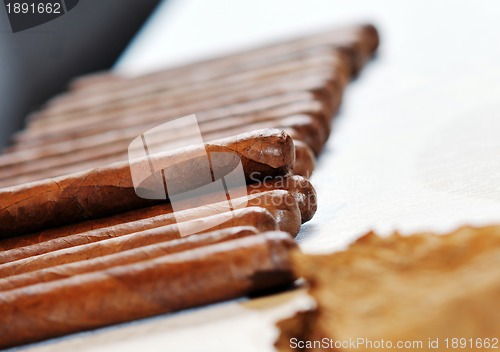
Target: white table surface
x=415, y=147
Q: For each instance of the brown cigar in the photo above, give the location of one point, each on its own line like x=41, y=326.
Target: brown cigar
x=300, y=188
x=299, y=127
x=172, y=282
x=186, y=98
x=112, y=147
x=340, y=37
x=122, y=100
x=68, y=101
x=304, y=165
x=305, y=161
x=125, y=257
x=205, y=100
x=95, y=132
x=209, y=122
x=109, y=190
x=130, y=126
x=321, y=83
x=279, y=203
x=92, y=249
x=303, y=127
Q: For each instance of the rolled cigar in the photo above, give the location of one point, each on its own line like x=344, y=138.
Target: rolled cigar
x=72, y=98
x=116, y=143
x=279, y=203
x=110, y=190
x=300, y=127
x=120, y=100
x=205, y=99
x=172, y=282
x=305, y=161
x=125, y=257
x=95, y=132
x=169, y=99
x=93, y=249
x=300, y=188
x=339, y=37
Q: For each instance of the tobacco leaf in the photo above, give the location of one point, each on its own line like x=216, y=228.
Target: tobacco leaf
x=398, y=288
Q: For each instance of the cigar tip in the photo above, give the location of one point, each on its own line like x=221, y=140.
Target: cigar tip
x=280, y=246
x=374, y=38
x=286, y=211
x=305, y=161
x=268, y=147
x=307, y=128
x=258, y=217
x=284, y=146
x=305, y=195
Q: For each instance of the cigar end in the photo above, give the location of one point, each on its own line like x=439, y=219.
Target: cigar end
x=286, y=149
x=264, y=152
x=305, y=162
x=285, y=209
x=305, y=195
x=258, y=217
x=280, y=246
x=372, y=36
x=307, y=129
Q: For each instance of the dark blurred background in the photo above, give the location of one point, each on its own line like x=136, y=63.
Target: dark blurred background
x=37, y=63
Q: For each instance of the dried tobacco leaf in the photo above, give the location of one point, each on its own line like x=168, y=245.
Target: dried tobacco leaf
x=428, y=292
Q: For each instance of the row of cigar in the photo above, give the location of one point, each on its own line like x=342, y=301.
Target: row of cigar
x=80, y=249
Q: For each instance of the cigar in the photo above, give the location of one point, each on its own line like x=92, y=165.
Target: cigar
x=172, y=282
x=205, y=100
x=204, y=75
x=93, y=248
x=302, y=127
x=125, y=257
x=305, y=161
x=300, y=188
x=95, y=132
x=173, y=99
x=113, y=146
x=303, y=166
x=299, y=127
x=121, y=100
x=281, y=204
x=339, y=38
x=109, y=190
